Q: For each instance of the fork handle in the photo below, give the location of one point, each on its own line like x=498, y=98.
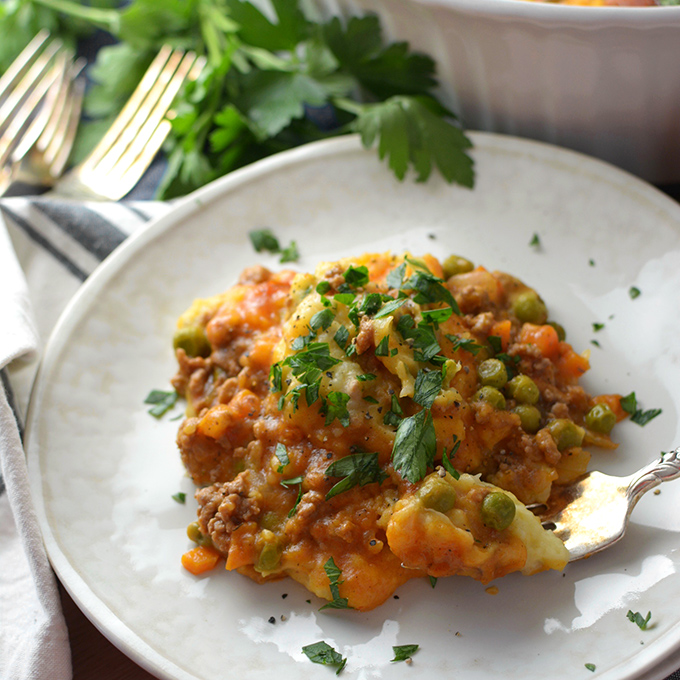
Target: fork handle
x=664, y=469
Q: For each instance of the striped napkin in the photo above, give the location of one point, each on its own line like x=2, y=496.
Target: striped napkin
x=47, y=249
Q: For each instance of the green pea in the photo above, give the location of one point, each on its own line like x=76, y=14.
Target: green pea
x=600, y=418
x=529, y=416
x=455, y=264
x=566, y=433
x=438, y=495
x=268, y=558
x=498, y=510
x=561, y=333
x=492, y=372
x=193, y=340
x=523, y=390
x=194, y=533
x=490, y=395
x=529, y=308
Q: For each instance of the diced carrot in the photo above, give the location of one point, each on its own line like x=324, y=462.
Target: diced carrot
x=433, y=265
x=501, y=329
x=544, y=337
x=570, y=365
x=614, y=403
x=200, y=559
x=242, y=546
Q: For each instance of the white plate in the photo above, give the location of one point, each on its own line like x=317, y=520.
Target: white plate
x=103, y=471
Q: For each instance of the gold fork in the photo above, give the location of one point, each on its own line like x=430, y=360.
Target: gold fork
x=24, y=88
x=592, y=512
x=41, y=154
x=127, y=149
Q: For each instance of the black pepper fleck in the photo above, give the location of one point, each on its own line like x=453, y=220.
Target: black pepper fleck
x=272, y=620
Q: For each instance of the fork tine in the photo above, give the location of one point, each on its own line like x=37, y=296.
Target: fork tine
x=26, y=85
x=57, y=154
x=18, y=66
x=129, y=110
x=22, y=112
x=145, y=143
x=149, y=113
x=43, y=123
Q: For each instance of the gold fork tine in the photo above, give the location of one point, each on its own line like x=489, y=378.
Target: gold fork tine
x=19, y=65
x=145, y=143
x=25, y=107
x=26, y=85
x=129, y=110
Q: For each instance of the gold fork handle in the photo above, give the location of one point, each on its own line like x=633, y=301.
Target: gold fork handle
x=664, y=469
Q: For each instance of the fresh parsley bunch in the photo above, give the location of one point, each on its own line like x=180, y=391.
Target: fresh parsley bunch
x=274, y=80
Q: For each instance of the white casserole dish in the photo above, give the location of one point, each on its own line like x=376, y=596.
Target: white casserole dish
x=601, y=80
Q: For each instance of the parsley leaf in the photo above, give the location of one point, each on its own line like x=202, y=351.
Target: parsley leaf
x=390, y=307
x=598, y=326
x=446, y=458
x=427, y=386
x=264, y=239
x=358, y=469
x=336, y=407
x=396, y=276
x=180, y=497
x=162, y=402
x=640, y=621
x=415, y=444
x=535, y=241
x=356, y=277
x=281, y=452
x=637, y=415
x=333, y=572
x=403, y=652
x=290, y=253
x=321, y=652
x=633, y=291
x=383, y=348
x=433, y=580
x=591, y=667
x=468, y=344
x=394, y=416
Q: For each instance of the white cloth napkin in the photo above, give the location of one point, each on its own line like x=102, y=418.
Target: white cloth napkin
x=47, y=249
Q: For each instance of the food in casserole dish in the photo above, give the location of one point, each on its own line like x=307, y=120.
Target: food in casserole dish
x=384, y=418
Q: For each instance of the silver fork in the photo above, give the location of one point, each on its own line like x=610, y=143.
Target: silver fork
x=127, y=149
x=24, y=88
x=592, y=512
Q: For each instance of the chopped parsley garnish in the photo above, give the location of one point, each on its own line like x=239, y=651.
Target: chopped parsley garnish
x=640, y=621
x=281, y=452
x=394, y=416
x=437, y=316
x=292, y=481
x=446, y=458
x=637, y=415
x=390, y=307
x=535, y=240
x=180, y=497
x=595, y=342
x=598, y=326
x=427, y=386
x=357, y=469
x=415, y=444
x=293, y=510
x=424, y=342
x=356, y=277
x=591, y=262
x=264, y=239
x=396, y=277
x=590, y=667
x=275, y=377
x=345, y=298
x=433, y=581
x=371, y=304
x=403, y=652
x=323, y=287
x=335, y=406
x=383, y=348
x=341, y=337
x=429, y=288
x=468, y=344
x=365, y=377
x=333, y=572
x=634, y=292
x=290, y=253
x=322, y=320
x=321, y=652
x=162, y=402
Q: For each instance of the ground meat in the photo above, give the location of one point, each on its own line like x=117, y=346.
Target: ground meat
x=254, y=274
x=224, y=507
x=364, y=339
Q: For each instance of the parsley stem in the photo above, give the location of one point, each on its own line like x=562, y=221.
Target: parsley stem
x=348, y=105
x=107, y=19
